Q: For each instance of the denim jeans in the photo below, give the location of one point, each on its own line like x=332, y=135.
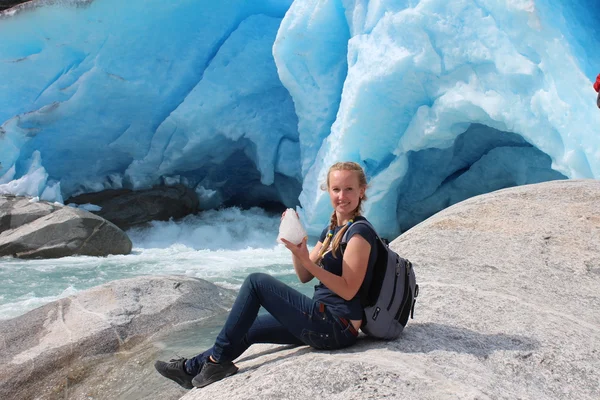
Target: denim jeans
x=293, y=319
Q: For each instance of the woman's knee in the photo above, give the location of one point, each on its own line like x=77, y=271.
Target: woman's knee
x=255, y=278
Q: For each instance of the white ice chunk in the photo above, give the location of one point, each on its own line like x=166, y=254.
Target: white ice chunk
x=30, y=184
x=8, y=176
x=52, y=193
x=90, y=207
x=290, y=228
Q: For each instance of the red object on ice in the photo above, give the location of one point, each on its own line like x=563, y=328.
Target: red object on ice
x=597, y=83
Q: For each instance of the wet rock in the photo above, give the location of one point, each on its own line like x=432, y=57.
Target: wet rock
x=126, y=208
x=38, y=229
x=72, y=348
x=6, y=4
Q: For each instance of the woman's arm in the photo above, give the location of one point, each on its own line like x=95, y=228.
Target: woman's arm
x=354, y=266
x=303, y=274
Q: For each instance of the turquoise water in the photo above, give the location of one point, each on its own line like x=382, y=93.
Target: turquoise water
x=222, y=247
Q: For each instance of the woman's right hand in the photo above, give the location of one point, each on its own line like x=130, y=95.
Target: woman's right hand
x=299, y=250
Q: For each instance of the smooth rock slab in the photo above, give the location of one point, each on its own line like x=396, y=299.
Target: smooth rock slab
x=509, y=308
x=55, y=351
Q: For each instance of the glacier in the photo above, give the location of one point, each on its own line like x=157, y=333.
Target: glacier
x=249, y=102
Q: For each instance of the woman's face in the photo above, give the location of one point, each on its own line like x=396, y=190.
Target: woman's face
x=344, y=192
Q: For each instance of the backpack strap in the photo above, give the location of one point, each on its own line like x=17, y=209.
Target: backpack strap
x=344, y=240
x=378, y=239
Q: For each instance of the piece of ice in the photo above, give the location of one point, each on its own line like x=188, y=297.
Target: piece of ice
x=290, y=228
x=90, y=207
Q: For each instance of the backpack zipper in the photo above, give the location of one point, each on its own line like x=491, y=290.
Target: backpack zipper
x=407, y=296
x=395, y=284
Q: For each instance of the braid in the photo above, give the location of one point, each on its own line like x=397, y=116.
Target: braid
x=325, y=246
x=340, y=234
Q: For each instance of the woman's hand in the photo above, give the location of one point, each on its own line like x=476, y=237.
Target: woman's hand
x=299, y=250
x=301, y=257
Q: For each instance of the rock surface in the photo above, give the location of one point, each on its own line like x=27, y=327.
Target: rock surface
x=509, y=308
x=75, y=347
x=20, y=5
x=16, y=211
x=5, y=4
x=45, y=230
x=126, y=208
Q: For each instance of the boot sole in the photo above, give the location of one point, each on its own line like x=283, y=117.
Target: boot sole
x=215, y=378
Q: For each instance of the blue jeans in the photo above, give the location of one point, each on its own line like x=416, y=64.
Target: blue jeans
x=293, y=319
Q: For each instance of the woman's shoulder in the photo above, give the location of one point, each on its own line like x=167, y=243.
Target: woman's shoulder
x=367, y=231
x=323, y=234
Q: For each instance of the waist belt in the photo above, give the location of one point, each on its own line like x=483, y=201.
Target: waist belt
x=347, y=324
x=344, y=321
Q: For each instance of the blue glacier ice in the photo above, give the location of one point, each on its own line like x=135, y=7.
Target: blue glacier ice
x=249, y=102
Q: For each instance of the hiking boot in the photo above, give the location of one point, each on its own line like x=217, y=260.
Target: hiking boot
x=212, y=372
x=175, y=370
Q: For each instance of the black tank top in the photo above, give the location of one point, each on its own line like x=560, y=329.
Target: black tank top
x=350, y=309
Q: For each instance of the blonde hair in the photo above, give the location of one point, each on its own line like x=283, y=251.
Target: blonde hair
x=362, y=181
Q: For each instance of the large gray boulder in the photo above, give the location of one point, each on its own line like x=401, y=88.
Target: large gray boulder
x=127, y=208
x=509, y=308
x=45, y=230
x=77, y=347
x=16, y=211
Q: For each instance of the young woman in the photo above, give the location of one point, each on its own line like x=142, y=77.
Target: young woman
x=330, y=320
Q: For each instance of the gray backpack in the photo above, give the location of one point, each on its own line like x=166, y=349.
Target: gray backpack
x=390, y=298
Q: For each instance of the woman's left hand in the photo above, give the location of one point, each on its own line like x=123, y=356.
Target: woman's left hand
x=299, y=250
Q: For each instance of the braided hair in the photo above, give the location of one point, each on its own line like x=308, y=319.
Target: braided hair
x=333, y=222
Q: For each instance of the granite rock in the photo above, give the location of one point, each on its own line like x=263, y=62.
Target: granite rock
x=38, y=229
x=79, y=346
x=509, y=308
